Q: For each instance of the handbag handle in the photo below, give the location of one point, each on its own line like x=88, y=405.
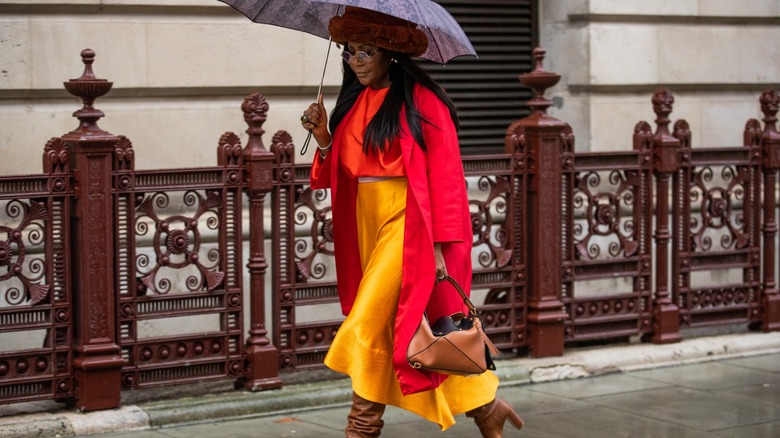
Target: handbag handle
x=472, y=312
x=469, y=304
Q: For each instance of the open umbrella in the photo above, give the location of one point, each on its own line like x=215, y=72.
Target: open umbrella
x=446, y=39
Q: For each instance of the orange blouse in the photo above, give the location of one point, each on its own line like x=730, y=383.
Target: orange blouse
x=355, y=161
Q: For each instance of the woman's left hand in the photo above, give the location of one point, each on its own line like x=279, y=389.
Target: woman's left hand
x=441, y=267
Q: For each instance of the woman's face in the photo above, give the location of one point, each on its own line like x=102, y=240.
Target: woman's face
x=374, y=70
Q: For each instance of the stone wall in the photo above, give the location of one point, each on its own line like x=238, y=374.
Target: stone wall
x=716, y=56
x=182, y=67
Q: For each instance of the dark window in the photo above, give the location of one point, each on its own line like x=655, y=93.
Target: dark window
x=486, y=89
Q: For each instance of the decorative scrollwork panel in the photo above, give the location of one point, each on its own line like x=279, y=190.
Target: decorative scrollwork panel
x=607, y=278
x=488, y=205
x=314, y=246
x=35, y=306
x=22, y=248
x=601, y=200
x=179, y=247
x=178, y=242
x=717, y=195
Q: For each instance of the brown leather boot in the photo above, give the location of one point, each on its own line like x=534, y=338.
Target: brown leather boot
x=491, y=418
x=365, y=418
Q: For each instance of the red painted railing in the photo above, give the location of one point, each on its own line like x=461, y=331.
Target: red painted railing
x=103, y=268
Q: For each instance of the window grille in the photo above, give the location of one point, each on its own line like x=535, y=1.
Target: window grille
x=486, y=90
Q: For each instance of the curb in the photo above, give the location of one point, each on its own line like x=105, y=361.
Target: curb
x=233, y=405
x=592, y=362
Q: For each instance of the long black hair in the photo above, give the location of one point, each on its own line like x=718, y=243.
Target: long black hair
x=386, y=124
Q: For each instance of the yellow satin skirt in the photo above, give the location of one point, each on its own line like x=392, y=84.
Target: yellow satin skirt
x=363, y=347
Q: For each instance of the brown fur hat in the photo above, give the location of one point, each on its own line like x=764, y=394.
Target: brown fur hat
x=366, y=26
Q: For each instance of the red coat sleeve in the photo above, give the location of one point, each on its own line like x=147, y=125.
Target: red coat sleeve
x=446, y=181
x=320, y=172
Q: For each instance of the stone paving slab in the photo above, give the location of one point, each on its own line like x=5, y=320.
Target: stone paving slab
x=690, y=408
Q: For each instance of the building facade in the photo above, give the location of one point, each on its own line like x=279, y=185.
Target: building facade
x=187, y=64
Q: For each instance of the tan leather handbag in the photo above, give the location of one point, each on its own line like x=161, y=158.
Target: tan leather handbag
x=455, y=344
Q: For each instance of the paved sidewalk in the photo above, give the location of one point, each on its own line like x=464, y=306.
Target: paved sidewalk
x=717, y=386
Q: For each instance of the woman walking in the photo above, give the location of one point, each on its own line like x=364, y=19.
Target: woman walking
x=400, y=220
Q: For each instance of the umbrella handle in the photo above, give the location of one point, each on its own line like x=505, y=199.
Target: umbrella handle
x=305, y=147
x=306, y=144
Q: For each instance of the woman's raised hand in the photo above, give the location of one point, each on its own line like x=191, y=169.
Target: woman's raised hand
x=315, y=119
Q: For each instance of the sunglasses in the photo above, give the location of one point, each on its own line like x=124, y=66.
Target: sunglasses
x=361, y=56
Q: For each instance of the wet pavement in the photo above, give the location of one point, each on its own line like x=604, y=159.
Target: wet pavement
x=722, y=398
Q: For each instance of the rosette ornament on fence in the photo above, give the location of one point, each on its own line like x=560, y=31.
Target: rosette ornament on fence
x=16, y=255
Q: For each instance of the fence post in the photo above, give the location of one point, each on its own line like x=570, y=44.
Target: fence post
x=262, y=357
x=666, y=152
x=770, y=140
x=97, y=362
x=543, y=136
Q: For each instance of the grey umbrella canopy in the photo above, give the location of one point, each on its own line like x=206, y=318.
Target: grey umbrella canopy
x=446, y=39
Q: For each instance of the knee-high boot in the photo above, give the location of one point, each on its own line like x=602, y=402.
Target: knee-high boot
x=491, y=418
x=365, y=418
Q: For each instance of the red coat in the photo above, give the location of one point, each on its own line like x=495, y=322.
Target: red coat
x=436, y=211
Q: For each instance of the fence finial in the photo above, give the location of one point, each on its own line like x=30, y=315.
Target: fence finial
x=770, y=101
x=255, y=109
x=88, y=88
x=539, y=80
x=663, y=105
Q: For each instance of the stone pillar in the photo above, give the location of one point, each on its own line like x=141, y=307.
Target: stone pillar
x=666, y=315
x=97, y=362
x=770, y=141
x=262, y=357
x=544, y=142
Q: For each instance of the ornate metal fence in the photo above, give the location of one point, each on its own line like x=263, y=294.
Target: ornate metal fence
x=179, y=261
x=608, y=254
x=36, y=313
x=716, y=211
x=113, y=278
